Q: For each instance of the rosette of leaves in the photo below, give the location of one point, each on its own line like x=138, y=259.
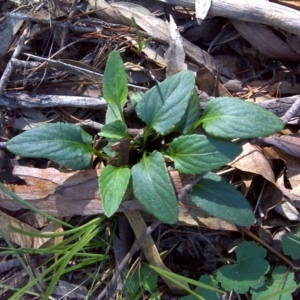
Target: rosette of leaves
x=170, y=112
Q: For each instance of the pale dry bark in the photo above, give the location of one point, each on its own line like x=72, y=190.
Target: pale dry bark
x=258, y=11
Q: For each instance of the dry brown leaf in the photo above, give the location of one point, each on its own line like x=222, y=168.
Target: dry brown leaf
x=17, y=238
x=288, y=210
x=175, y=55
x=292, y=163
x=63, y=194
x=209, y=84
x=268, y=194
x=247, y=178
x=265, y=41
x=288, y=143
x=253, y=160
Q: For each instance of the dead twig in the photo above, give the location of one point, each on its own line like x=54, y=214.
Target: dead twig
x=10, y=66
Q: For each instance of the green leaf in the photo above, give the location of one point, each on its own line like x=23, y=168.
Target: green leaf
x=291, y=244
x=114, y=130
x=153, y=188
x=136, y=97
x=205, y=293
x=149, y=279
x=65, y=144
x=164, y=105
x=191, y=115
x=115, y=87
x=220, y=199
x=113, y=182
x=195, y=154
x=248, y=270
x=234, y=118
x=113, y=113
x=281, y=279
x=132, y=281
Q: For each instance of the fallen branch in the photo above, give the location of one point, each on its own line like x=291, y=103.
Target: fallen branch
x=258, y=11
x=25, y=99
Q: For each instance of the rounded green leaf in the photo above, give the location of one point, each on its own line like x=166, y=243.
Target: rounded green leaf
x=164, y=105
x=113, y=182
x=290, y=244
x=215, y=196
x=65, y=144
x=234, y=118
x=115, y=87
x=279, y=287
x=248, y=271
x=153, y=188
x=195, y=154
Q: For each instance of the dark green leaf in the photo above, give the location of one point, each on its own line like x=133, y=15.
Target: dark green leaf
x=248, y=271
x=220, y=199
x=290, y=244
x=148, y=279
x=234, y=118
x=195, y=154
x=114, y=130
x=65, y=144
x=113, y=183
x=191, y=115
x=163, y=106
x=115, y=87
x=153, y=188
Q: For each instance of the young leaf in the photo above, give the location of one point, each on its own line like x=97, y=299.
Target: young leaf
x=163, y=106
x=65, y=144
x=234, y=118
x=148, y=279
x=153, y=188
x=114, y=130
x=282, y=279
x=220, y=199
x=113, y=183
x=115, y=87
x=136, y=97
x=205, y=293
x=113, y=113
x=248, y=270
x=195, y=154
x=191, y=115
x=291, y=244
x=132, y=281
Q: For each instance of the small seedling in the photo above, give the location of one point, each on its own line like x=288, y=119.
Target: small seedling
x=141, y=43
x=170, y=112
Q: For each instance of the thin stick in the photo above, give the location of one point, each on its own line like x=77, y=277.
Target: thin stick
x=9, y=68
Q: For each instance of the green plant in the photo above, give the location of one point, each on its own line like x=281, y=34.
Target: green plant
x=247, y=273
x=170, y=112
x=141, y=280
x=141, y=44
